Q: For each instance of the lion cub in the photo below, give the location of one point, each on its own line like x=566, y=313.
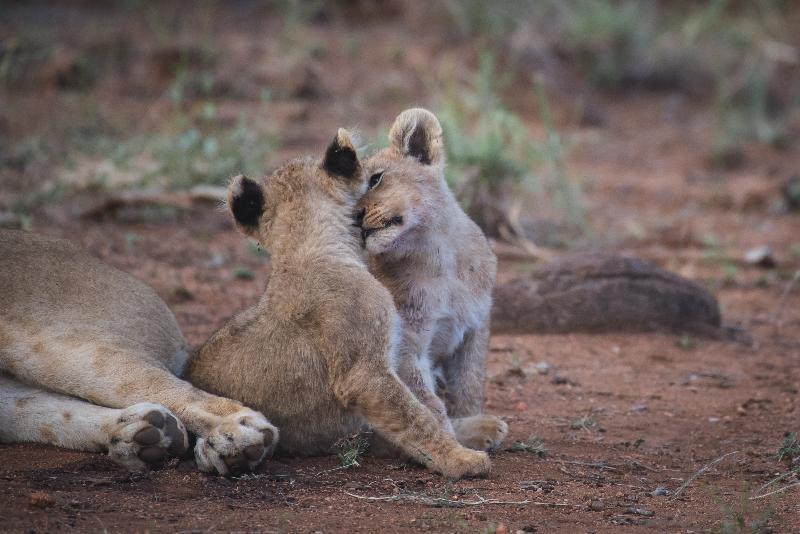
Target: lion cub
x=316, y=353
x=440, y=270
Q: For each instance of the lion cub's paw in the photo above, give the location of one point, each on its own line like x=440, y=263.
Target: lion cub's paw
x=480, y=432
x=237, y=445
x=144, y=435
x=466, y=463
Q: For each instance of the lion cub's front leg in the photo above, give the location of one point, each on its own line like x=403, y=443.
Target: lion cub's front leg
x=414, y=369
x=237, y=443
x=482, y=432
x=393, y=411
x=464, y=377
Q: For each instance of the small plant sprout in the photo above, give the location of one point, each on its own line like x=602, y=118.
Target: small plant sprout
x=790, y=448
x=584, y=422
x=534, y=445
x=351, y=449
x=687, y=342
x=243, y=273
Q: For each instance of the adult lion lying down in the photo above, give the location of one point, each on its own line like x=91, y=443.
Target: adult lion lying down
x=91, y=358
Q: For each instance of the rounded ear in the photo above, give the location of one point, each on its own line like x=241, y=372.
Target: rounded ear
x=340, y=157
x=417, y=133
x=246, y=202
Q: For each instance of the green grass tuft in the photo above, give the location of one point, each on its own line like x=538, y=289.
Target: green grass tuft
x=790, y=448
x=351, y=450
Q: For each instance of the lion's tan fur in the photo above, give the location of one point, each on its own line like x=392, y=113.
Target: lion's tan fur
x=72, y=327
x=316, y=353
x=440, y=270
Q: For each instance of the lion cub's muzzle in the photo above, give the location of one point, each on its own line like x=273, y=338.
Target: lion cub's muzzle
x=367, y=231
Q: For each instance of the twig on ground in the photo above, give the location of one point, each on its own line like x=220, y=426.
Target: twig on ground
x=595, y=465
x=442, y=501
x=640, y=464
x=332, y=470
x=699, y=473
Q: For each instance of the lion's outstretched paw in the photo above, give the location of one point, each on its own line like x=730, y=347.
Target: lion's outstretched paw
x=144, y=435
x=237, y=445
x=466, y=463
x=482, y=432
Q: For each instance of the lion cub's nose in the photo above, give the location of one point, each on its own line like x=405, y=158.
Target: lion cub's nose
x=358, y=219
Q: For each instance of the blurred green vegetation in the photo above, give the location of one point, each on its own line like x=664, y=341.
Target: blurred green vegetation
x=737, y=59
x=494, y=161
x=740, y=54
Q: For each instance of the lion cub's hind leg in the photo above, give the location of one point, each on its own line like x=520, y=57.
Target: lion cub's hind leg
x=237, y=444
x=481, y=432
x=137, y=437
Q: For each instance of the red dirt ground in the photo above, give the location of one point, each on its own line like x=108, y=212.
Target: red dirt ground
x=663, y=408
x=656, y=408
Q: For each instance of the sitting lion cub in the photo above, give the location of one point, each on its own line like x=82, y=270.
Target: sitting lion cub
x=440, y=270
x=86, y=352
x=316, y=354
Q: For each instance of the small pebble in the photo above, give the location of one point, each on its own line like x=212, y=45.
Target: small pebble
x=761, y=257
x=791, y=192
x=596, y=506
x=639, y=408
x=543, y=368
x=640, y=511
x=660, y=491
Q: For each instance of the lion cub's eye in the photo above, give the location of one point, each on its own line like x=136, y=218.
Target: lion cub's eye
x=375, y=179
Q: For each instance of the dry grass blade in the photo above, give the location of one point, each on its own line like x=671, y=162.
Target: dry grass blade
x=757, y=494
x=516, y=234
x=781, y=490
x=699, y=473
x=640, y=464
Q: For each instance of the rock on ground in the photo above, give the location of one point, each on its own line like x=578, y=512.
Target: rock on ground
x=603, y=293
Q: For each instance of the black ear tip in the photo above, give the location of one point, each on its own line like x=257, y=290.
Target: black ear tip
x=418, y=144
x=340, y=157
x=247, y=201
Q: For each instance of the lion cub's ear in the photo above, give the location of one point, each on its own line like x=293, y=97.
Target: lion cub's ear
x=417, y=133
x=246, y=202
x=340, y=157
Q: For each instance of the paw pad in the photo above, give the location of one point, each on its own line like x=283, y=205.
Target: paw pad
x=144, y=435
x=237, y=445
x=147, y=436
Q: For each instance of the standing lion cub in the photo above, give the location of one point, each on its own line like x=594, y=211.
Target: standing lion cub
x=440, y=270
x=317, y=353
